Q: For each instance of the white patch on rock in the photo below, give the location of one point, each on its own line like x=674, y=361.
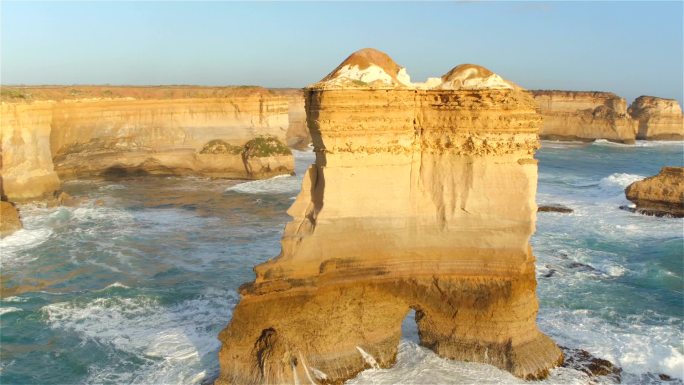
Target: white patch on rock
x=469, y=80
x=369, y=75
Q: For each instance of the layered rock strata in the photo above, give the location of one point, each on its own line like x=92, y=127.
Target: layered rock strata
x=419, y=199
x=584, y=116
x=134, y=130
x=662, y=194
x=658, y=118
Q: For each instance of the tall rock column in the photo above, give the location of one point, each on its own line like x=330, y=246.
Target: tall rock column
x=422, y=197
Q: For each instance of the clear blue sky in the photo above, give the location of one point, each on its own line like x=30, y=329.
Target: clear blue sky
x=630, y=48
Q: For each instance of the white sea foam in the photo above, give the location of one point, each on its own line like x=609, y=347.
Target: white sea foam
x=606, y=142
x=418, y=365
x=634, y=345
x=115, y=285
x=171, y=340
x=5, y=310
x=15, y=299
x=12, y=247
x=660, y=143
x=281, y=184
x=618, y=181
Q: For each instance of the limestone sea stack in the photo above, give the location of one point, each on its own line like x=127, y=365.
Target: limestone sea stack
x=659, y=119
x=50, y=133
x=584, y=116
x=659, y=195
x=421, y=197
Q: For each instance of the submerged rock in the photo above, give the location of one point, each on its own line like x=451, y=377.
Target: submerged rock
x=9, y=219
x=555, y=208
x=585, y=362
x=659, y=195
x=419, y=199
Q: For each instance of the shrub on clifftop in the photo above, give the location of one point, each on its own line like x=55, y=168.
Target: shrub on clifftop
x=263, y=146
x=218, y=146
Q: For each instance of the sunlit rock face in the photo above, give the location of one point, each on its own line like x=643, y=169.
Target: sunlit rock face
x=661, y=194
x=585, y=116
x=659, y=118
x=26, y=166
x=419, y=199
x=53, y=133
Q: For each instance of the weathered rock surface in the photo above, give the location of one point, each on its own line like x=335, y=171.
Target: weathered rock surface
x=585, y=116
x=659, y=195
x=134, y=130
x=26, y=170
x=585, y=362
x=9, y=219
x=554, y=208
x=659, y=119
x=419, y=199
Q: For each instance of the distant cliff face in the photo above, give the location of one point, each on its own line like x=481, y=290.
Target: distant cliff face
x=419, y=199
x=659, y=119
x=578, y=115
x=150, y=134
x=297, y=133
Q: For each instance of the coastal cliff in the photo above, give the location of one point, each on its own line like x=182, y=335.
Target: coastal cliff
x=585, y=116
x=422, y=197
x=100, y=131
x=658, y=118
x=661, y=194
x=297, y=132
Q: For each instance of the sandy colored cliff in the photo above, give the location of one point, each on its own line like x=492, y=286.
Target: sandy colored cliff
x=658, y=118
x=95, y=131
x=9, y=219
x=585, y=116
x=297, y=132
x=661, y=194
x=419, y=199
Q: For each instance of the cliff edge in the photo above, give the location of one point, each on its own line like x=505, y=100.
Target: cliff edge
x=420, y=198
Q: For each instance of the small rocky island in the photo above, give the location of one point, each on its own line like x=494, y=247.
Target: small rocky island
x=659, y=195
x=422, y=197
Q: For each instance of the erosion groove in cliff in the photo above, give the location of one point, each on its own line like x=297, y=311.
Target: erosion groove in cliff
x=419, y=199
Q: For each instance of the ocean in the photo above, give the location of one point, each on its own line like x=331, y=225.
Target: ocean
x=133, y=286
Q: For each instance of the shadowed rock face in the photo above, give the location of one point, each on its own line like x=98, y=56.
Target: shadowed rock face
x=9, y=219
x=661, y=194
x=419, y=199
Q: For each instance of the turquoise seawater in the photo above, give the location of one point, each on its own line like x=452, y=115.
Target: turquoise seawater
x=133, y=286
